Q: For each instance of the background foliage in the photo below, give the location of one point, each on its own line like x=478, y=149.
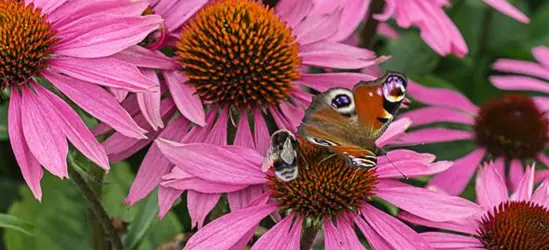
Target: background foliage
x=60, y=220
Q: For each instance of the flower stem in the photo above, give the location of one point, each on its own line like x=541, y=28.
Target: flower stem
x=369, y=30
x=98, y=211
x=308, y=237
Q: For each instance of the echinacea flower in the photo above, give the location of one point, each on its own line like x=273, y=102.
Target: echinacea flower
x=519, y=221
x=327, y=193
x=70, y=44
x=238, y=58
x=509, y=129
x=534, y=77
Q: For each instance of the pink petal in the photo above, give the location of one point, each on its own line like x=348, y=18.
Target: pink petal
x=386, y=30
x=47, y=6
x=73, y=127
x=293, y=11
x=241, y=198
x=215, y=163
x=145, y=58
x=261, y=133
x=412, y=169
x=338, y=238
x=541, y=196
x=317, y=28
x=227, y=230
x=451, y=241
x=218, y=133
x=324, y=81
x=468, y=226
x=199, y=205
x=295, y=235
x=454, y=180
x=521, y=67
x=155, y=165
x=110, y=38
x=44, y=138
x=441, y=97
x=525, y=187
x=149, y=102
x=75, y=10
x=541, y=102
x=97, y=102
x=182, y=180
x=433, y=135
x=166, y=199
x=276, y=237
x=353, y=14
x=516, y=172
x=395, y=130
x=292, y=113
x=525, y=83
x=243, y=135
x=433, y=205
x=541, y=53
x=490, y=187
x=109, y=72
x=29, y=165
x=186, y=101
x=432, y=114
x=119, y=94
x=506, y=8
x=180, y=12
x=396, y=233
x=336, y=60
x=374, y=239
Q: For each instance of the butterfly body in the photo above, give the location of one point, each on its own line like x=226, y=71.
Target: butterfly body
x=349, y=121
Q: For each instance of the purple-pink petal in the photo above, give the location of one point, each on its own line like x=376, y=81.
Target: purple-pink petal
x=541, y=53
x=324, y=81
x=149, y=102
x=468, y=226
x=395, y=130
x=490, y=187
x=166, y=199
x=525, y=186
x=506, y=8
x=429, y=115
x=242, y=198
x=441, y=97
x=243, y=135
x=317, y=28
x=451, y=241
x=29, y=165
x=454, y=180
x=516, y=172
x=521, y=67
x=519, y=83
x=145, y=58
x=261, y=133
x=433, y=135
x=336, y=237
x=199, y=205
x=293, y=11
x=183, y=95
x=276, y=237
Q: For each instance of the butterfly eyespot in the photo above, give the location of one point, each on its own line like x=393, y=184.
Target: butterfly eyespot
x=341, y=101
x=394, y=88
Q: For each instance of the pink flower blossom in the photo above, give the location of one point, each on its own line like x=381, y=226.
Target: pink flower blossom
x=214, y=169
x=493, y=127
x=518, y=221
x=285, y=101
x=71, y=44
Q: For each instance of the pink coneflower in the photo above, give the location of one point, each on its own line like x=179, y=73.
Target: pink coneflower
x=238, y=58
x=327, y=194
x=509, y=129
x=520, y=221
x=70, y=44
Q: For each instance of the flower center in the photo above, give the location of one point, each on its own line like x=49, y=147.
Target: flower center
x=511, y=126
x=239, y=52
x=25, y=41
x=515, y=225
x=325, y=185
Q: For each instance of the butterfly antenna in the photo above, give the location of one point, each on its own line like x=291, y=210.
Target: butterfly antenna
x=326, y=158
x=354, y=174
x=403, y=175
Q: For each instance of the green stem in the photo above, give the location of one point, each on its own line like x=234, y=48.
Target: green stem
x=99, y=215
x=308, y=237
x=369, y=31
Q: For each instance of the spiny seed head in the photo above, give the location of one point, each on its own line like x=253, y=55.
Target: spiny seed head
x=239, y=52
x=326, y=184
x=515, y=225
x=511, y=126
x=25, y=40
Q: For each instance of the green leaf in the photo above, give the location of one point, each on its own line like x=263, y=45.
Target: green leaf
x=148, y=210
x=160, y=232
x=4, y=120
x=538, y=31
x=12, y=222
x=410, y=55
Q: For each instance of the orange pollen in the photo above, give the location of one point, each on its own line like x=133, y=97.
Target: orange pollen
x=239, y=52
x=515, y=225
x=26, y=38
x=325, y=186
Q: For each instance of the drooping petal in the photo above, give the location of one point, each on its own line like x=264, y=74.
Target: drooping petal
x=429, y=115
x=73, y=127
x=74, y=10
x=337, y=238
x=490, y=187
x=433, y=135
x=412, y=169
x=200, y=205
x=96, y=101
x=276, y=237
x=317, y=28
x=441, y=97
x=243, y=135
x=293, y=11
x=451, y=241
x=29, y=165
x=525, y=187
x=506, y=8
x=112, y=37
x=180, y=12
x=47, y=6
x=516, y=172
x=374, y=239
x=227, y=230
x=395, y=130
x=166, y=199
x=541, y=53
x=241, y=198
x=337, y=55
x=541, y=196
x=525, y=83
x=521, y=67
x=292, y=113
x=215, y=163
x=324, y=81
x=468, y=226
x=149, y=102
x=353, y=14
x=218, y=133
x=454, y=180
x=145, y=58
x=434, y=206
x=45, y=139
x=396, y=233
x=261, y=133
x=108, y=72
x=182, y=180
x=186, y=101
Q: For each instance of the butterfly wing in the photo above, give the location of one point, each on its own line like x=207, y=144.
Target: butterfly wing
x=376, y=102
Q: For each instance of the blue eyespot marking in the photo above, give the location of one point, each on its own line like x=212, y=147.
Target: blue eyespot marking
x=341, y=101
